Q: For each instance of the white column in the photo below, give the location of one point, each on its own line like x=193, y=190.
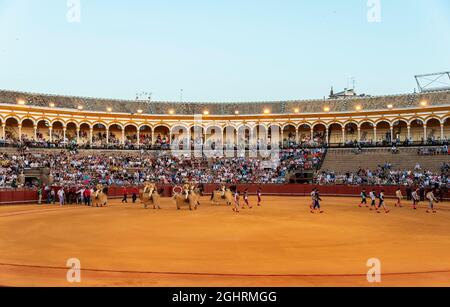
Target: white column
x=297, y=136
x=91, y=135
x=20, y=132
x=107, y=136
x=425, y=132
x=138, y=142
x=189, y=139
x=78, y=135
x=327, y=135
x=343, y=135
x=4, y=131
x=50, y=132
x=409, y=132
x=375, y=138
x=35, y=132
x=359, y=134
x=392, y=133
x=64, y=134
x=442, y=132
x=123, y=136
x=153, y=137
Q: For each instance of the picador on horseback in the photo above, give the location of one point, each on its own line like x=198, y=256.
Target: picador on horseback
x=150, y=196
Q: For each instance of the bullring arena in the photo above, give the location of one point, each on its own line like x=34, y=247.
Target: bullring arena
x=279, y=244
x=55, y=143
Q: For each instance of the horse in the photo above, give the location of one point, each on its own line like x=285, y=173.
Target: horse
x=218, y=198
x=101, y=196
x=192, y=200
x=147, y=199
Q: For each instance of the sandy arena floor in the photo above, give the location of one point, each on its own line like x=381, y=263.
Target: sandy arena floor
x=279, y=244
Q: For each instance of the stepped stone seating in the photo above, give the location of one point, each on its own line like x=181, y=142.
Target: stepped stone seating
x=345, y=160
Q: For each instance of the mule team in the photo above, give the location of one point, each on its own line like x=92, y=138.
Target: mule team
x=189, y=195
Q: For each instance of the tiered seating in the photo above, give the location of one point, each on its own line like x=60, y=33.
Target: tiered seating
x=345, y=160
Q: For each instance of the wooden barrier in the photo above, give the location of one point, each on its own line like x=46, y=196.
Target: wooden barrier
x=11, y=197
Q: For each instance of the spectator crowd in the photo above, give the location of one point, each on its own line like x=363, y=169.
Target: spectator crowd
x=74, y=168
x=387, y=175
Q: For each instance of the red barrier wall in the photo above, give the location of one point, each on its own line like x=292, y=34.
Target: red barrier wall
x=18, y=197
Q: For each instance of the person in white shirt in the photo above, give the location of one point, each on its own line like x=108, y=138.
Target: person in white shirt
x=237, y=206
x=415, y=198
x=61, y=196
x=82, y=195
x=399, y=196
x=432, y=199
x=373, y=197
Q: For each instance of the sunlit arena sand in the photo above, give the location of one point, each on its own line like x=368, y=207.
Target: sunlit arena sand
x=278, y=244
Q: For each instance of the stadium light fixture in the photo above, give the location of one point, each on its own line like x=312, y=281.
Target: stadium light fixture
x=51, y=105
x=296, y=111
x=358, y=108
x=206, y=112
x=140, y=111
x=390, y=106
x=326, y=109
x=236, y=112
x=171, y=112
x=109, y=110
x=423, y=103
x=266, y=111
x=80, y=108
x=21, y=102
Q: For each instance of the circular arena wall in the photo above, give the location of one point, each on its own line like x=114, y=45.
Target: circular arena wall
x=89, y=120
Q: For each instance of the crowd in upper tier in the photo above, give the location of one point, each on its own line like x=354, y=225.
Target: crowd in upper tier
x=160, y=142
x=163, y=141
x=123, y=168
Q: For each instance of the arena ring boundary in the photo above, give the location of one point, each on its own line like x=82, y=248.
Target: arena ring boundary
x=220, y=274
x=79, y=207
x=96, y=274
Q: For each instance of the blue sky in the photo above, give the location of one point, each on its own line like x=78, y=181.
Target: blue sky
x=220, y=50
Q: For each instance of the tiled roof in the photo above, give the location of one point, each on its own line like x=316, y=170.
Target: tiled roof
x=218, y=108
